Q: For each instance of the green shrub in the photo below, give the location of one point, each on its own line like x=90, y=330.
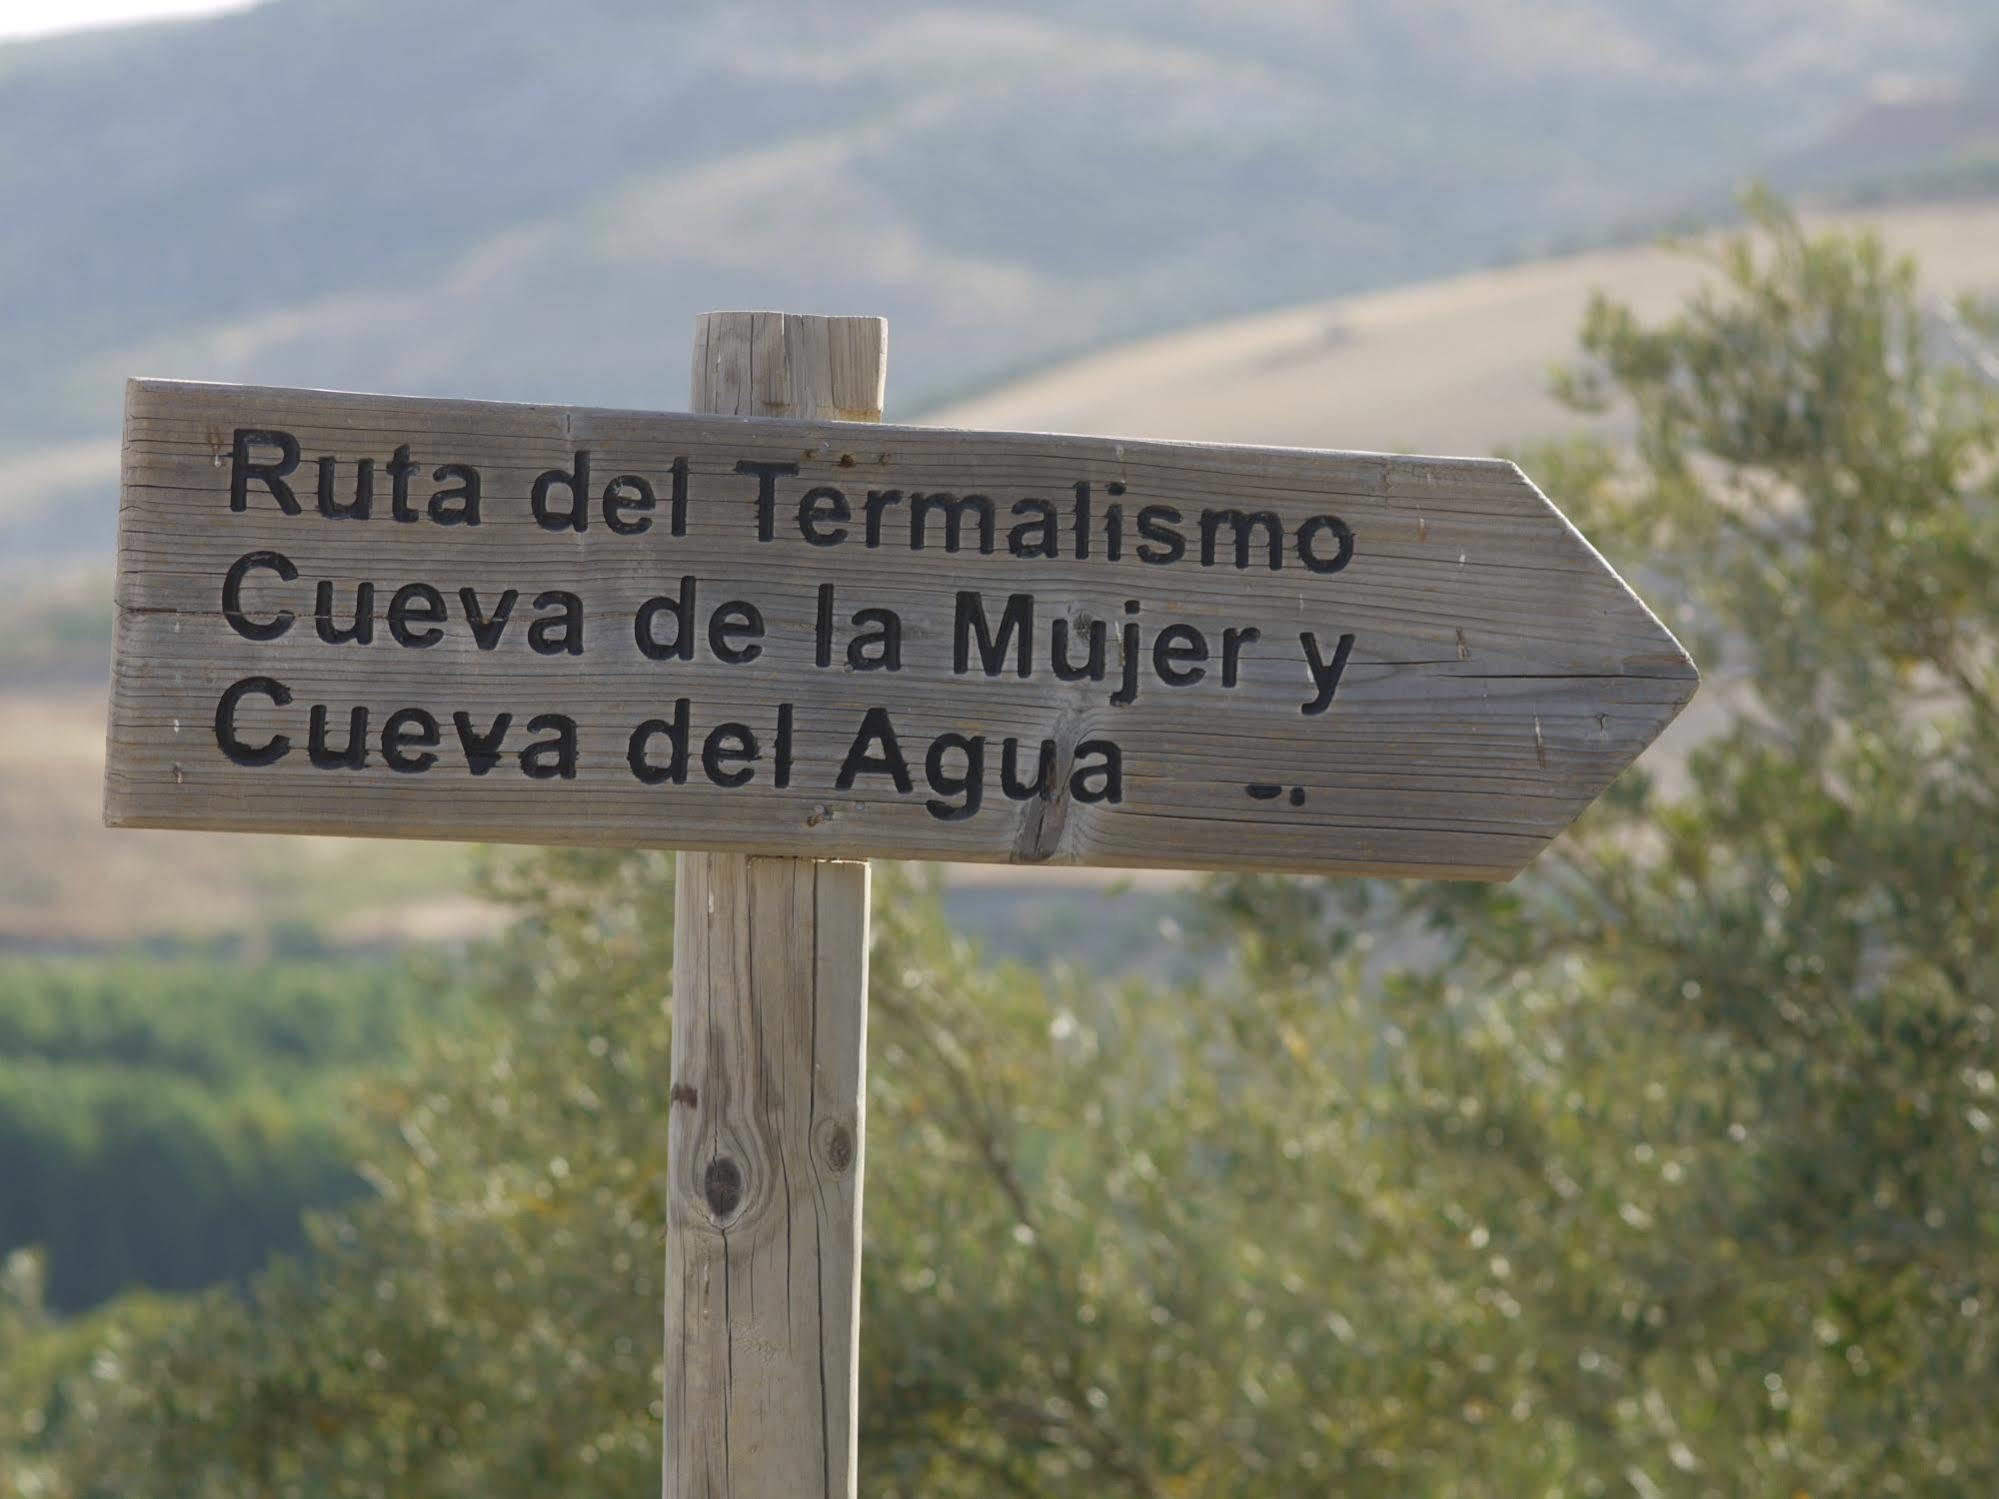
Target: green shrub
x=164, y=1123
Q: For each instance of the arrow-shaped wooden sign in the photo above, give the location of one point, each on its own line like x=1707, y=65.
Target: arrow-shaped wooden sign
x=363, y=614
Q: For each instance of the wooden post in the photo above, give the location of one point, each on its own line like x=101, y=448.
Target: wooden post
x=768, y=1110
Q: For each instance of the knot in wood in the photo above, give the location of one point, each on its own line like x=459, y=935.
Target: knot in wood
x=836, y=1145
x=722, y=1187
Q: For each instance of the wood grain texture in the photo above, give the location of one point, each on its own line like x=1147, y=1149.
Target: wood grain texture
x=785, y=364
x=765, y=1149
x=1501, y=675
x=768, y=1117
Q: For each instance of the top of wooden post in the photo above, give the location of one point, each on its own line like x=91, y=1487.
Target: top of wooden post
x=789, y=364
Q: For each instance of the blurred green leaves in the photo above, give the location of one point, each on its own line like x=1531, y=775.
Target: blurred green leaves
x=165, y=1120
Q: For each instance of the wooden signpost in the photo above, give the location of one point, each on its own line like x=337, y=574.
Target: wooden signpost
x=772, y=634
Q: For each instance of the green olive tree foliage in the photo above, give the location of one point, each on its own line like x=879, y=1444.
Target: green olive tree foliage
x=1669, y=1169
x=1715, y=1084
x=164, y=1122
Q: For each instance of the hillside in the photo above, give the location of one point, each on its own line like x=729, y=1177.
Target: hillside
x=1459, y=365
x=468, y=196
x=1936, y=136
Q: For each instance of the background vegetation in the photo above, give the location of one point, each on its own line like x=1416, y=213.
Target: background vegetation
x=1669, y=1169
x=164, y=1121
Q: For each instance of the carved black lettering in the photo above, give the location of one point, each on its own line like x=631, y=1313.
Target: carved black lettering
x=923, y=506
x=416, y=604
x=458, y=505
x=482, y=751
x=1234, y=639
x=1016, y=627
x=1325, y=674
x=1043, y=784
x=363, y=503
x=409, y=729
x=677, y=505
x=1092, y=669
x=551, y=759
x=822, y=629
x=1130, y=659
x=674, y=731
x=822, y=510
x=486, y=628
x=967, y=784
x=242, y=470
x=361, y=632
x=402, y=468
x=577, y=482
x=1177, y=652
x=1163, y=544
x=232, y=595
x=736, y=621
x=271, y=750
x=878, y=646
x=628, y=494
x=352, y=756
x=1243, y=525
x=1037, y=536
x=1114, y=524
x=729, y=744
x=646, y=626
x=562, y=633
x=877, y=501
x=875, y=751
x=1342, y=544
x=767, y=476
x=1102, y=781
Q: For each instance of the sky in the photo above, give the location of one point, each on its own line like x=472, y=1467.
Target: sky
x=20, y=19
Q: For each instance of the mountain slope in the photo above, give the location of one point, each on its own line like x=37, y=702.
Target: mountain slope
x=499, y=198
x=1457, y=366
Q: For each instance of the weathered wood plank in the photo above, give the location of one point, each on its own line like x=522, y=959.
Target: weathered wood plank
x=1500, y=675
